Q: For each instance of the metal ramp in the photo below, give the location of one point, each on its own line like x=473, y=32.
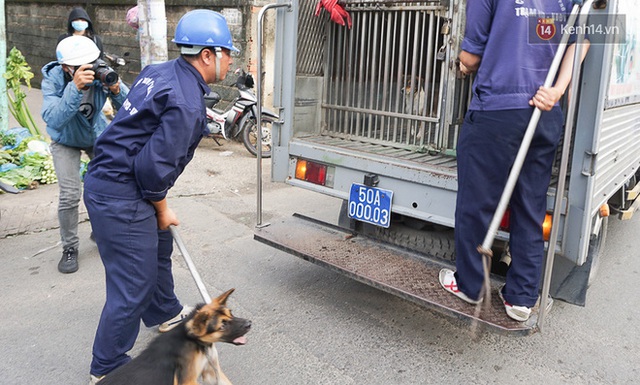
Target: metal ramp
x=401, y=272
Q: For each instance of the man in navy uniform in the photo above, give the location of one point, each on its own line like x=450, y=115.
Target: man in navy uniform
x=511, y=68
x=137, y=160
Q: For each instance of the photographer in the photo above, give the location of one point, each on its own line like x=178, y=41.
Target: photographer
x=74, y=88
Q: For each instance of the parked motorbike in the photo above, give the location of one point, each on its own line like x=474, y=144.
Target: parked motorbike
x=115, y=60
x=239, y=120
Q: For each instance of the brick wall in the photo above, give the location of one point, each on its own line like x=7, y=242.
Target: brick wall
x=34, y=26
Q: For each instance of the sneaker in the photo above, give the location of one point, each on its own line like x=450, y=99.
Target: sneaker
x=95, y=379
x=175, y=321
x=448, y=282
x=518, y=313
x=69, y=261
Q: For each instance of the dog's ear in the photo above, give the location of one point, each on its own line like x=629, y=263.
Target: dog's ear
x=222, y=299
x=197, y=326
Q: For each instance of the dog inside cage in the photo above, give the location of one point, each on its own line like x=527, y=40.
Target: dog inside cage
x=383, y=76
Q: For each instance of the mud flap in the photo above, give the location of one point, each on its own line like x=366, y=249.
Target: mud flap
x=570, y=282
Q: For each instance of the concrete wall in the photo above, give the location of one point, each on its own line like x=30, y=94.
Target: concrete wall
x=34, y=26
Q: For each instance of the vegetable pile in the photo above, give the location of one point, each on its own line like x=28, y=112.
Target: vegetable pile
x=21, y=167
x=26, y=161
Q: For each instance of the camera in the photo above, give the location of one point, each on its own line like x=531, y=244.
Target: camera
x=105, y=73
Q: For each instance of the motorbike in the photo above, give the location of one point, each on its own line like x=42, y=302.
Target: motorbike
x=117, y=63
x=239, y=120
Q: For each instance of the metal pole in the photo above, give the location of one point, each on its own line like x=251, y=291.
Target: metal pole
x=192, y=268
x=152, y=31
x=485, y=248
x=564, y=165
x=258, y=112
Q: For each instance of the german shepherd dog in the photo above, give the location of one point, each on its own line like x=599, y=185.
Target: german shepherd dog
x=186, y=353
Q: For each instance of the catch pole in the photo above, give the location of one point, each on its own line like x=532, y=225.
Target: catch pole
x=192, y=268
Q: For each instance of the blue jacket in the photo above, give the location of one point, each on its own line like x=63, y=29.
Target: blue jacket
x=515, y=61
x=153, y=136
x=70, y=121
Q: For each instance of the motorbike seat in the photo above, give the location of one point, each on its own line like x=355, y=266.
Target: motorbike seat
x=211, y=99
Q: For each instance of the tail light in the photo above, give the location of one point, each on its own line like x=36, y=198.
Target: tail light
x=505, y=224
x=312, y=172
x=546, y=226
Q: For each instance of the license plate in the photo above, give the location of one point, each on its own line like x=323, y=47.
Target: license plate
x=370, y=204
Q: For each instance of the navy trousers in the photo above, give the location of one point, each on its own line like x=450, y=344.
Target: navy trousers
x=487, y=147
x=139, y=282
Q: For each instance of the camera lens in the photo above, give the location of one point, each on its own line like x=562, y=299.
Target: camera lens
x=105, y=73
x=109, y=78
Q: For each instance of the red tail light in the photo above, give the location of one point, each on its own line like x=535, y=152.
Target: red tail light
x=311, y=172
x=505, y=223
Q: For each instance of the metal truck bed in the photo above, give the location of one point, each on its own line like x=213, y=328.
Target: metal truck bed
x=421, y=156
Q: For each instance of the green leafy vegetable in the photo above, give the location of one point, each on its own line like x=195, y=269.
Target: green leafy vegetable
x=7, y=139
x=20, y=177
x=19, y=71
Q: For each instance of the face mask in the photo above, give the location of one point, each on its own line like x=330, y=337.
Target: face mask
x=79, y=25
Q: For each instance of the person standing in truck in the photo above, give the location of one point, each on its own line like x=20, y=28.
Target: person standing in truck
x=511, y=63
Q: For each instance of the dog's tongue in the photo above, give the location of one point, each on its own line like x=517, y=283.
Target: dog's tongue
x=240, y=340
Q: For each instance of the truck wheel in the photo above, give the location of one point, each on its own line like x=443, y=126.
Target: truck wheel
x=596, y=248
x=434, y=242
x=412, y=234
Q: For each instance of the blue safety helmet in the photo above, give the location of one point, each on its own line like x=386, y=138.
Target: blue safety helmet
x=202, y=28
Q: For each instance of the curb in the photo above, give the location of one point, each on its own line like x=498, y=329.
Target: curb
x=32, y=211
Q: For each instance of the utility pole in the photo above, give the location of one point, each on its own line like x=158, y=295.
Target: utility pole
x=152, y=22
x=4, y=98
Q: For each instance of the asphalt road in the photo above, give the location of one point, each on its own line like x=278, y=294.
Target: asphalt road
x=310, y=325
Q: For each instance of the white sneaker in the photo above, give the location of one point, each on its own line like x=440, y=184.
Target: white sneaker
x=518, y=313
x=175, y=321
x=448, y=282
x=95, y=379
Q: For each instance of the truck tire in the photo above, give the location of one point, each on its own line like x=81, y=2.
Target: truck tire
x=412, y=234
x=436, y=243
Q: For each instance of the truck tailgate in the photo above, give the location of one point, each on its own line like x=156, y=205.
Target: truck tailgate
x=400, y=272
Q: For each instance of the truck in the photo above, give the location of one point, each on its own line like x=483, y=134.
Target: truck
x=371, y=115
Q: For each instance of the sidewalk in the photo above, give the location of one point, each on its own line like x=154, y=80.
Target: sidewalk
x=31, y=210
